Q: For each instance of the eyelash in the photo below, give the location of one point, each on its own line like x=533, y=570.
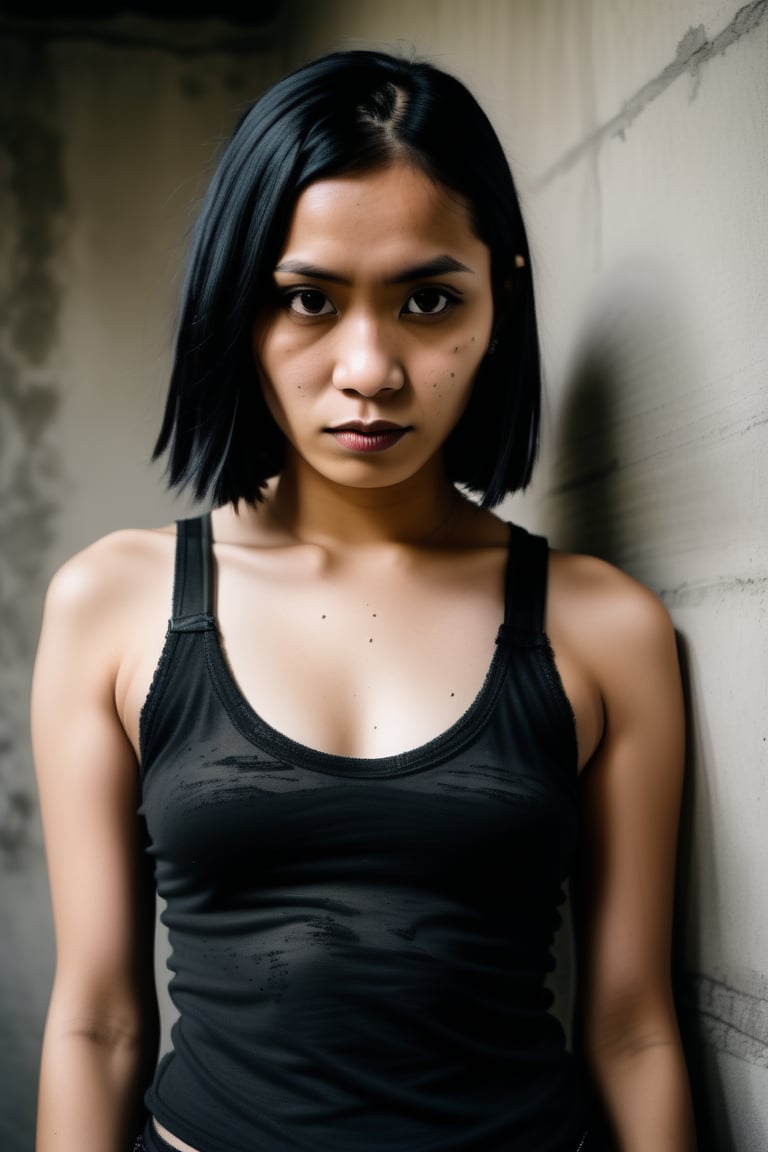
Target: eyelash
x=292, y=295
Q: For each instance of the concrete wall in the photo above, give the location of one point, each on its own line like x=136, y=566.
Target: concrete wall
x=638, y=136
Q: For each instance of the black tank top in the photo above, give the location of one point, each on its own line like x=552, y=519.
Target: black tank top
x=359, y=946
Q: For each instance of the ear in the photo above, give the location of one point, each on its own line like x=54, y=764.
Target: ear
x=511, y=291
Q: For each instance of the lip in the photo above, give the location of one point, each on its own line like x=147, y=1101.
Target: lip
x=376, y=436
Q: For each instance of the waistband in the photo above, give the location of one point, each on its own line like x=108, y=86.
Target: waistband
x=150, y=1140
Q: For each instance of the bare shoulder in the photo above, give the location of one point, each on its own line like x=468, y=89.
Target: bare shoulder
x=605, y=608
x=110, y=601
x=110, y=604
x=617, y=648
x=112, y=572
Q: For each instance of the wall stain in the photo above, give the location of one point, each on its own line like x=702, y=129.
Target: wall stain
x=727, y=1017
x=33, y=198
x=693, y=50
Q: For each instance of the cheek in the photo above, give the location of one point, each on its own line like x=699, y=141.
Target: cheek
x=267, y=376
x=283, y=370
x=454, y=372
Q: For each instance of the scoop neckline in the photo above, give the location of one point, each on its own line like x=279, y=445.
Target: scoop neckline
x=256, y=730
x=259, y=732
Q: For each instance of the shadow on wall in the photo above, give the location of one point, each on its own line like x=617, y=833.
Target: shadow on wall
x=617, y=458
x=712, y=1123
x=617, y=466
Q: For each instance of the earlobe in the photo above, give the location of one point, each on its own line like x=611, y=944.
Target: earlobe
x=509, y=294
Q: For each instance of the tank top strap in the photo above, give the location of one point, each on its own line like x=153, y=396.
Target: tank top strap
x=192, y=585
x=526, y=586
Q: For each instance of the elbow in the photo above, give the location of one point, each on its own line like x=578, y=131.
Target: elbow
x=628, y=1024
x=112, y=1036
x=127, y=1031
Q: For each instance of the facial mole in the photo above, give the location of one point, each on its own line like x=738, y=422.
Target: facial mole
x=457, y=347
x=453, y=375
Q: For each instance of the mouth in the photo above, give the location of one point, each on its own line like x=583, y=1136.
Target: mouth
x=377, y=436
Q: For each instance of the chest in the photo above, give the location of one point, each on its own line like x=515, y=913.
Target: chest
x=361, y=660
x=235, y=809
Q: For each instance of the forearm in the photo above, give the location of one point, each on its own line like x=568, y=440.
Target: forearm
x=91, y=1088
x=647, y=1098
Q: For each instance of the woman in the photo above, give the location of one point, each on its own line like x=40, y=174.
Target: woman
x=355, y=752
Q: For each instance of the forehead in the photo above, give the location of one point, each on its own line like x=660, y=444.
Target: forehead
x=386, y=211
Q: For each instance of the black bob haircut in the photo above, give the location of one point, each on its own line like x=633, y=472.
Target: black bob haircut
x=346, y=112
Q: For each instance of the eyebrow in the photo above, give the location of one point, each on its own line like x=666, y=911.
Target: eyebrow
x=437, y=267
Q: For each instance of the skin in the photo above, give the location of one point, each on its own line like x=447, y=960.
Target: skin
x=353, y=560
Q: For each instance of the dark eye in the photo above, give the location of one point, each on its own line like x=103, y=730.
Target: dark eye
x=428, y=302
x=309, y=302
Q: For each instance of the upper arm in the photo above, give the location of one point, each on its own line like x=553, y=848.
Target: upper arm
x=631, y=791
x=87, y=775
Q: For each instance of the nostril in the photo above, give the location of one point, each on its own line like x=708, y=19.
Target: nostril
x=368, y=377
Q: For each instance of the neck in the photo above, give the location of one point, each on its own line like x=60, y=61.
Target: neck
x=423, y=509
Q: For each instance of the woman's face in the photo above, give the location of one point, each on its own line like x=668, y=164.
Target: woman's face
x=383, y=314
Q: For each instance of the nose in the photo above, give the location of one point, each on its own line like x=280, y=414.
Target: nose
x=366, y=359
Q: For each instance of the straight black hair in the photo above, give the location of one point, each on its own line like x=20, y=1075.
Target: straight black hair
x=346, y=112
